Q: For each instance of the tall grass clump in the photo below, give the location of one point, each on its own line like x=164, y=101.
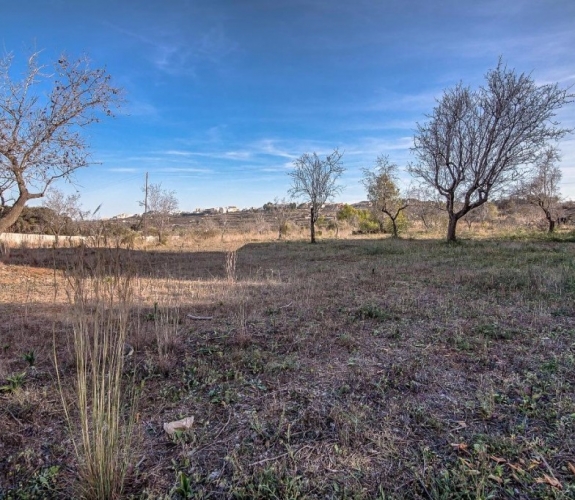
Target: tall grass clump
x=166, y=323
x=100, y=414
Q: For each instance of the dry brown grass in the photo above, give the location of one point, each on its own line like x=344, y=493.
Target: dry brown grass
x=99, y=415
x=355, y=368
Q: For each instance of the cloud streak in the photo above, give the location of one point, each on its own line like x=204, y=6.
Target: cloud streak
x=178, y=52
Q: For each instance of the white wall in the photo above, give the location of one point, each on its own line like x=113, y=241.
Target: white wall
x=39, y=240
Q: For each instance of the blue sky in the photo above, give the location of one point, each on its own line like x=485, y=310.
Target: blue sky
x=223, y=95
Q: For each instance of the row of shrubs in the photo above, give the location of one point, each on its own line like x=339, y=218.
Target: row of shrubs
x=366, y=222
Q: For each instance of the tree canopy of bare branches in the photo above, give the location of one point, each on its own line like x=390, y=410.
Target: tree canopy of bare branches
x=161, y=204
x=425, y=206
x=63, y=210
x=315, y=181
x=383, y=192
x=40, y=139
x=479, y=142
x=542, y=187
x=281, y=210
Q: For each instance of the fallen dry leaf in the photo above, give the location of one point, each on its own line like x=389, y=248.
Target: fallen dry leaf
x=459, y=446
x=571, y=467
x=550, y=481
x=460, y=425
x=533, y=464
x=516, y=468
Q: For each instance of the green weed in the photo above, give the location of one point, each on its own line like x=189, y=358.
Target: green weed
x=14, y=382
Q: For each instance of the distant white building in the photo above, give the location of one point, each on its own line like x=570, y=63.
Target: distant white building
x=123, y=216
x=232, y=208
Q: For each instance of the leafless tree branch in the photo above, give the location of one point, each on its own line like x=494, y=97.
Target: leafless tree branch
x=40, y=139
x=315, y=180
x=478, y=143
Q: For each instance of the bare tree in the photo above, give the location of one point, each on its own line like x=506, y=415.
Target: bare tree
x=542, y=188
x=260, y=224
x=63, y=211
x=478, y=142
x=383, y=193
x=482, y=215
x=40, y=138
x=282, y=210
x=162, y=203
x=424, y=206
x=314, y=180
x=223, y=223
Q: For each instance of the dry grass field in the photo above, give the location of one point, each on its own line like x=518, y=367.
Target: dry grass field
x=351, y=369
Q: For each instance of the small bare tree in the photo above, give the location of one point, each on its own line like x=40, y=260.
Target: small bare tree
x=315, y=180
x=63, y=210
x=260, y=224
x=162, y=203
x=383, y=193
x=224, y=224
x=40, y=138
x=282, y=210
x=482, y=215
x=542, y=188
x=424, y=206
x=479, y=142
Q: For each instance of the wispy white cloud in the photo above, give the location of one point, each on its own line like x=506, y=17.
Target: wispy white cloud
x=278, y=168
x=383, y=124
x=187, y=170
x=214, y=45
x=377, y=145
x=271, y=147
x=140, y=109
x=547, y=54
x=214, y=154
x=144, y=159
x=215, y=134
x=178, y=52
x=123, y=170
x=238, y=155
x=176, y=152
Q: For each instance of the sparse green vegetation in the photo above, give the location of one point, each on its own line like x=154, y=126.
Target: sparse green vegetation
x=356, y=368
x=13, y=382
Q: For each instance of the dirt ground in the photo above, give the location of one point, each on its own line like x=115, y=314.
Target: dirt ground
x=356, y=368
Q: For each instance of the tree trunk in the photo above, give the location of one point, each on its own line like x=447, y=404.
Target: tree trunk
x=424, y=222
x=551, y=222
x=451, y=228
x=14, y=212
x=394, y=227
x=312, y=225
